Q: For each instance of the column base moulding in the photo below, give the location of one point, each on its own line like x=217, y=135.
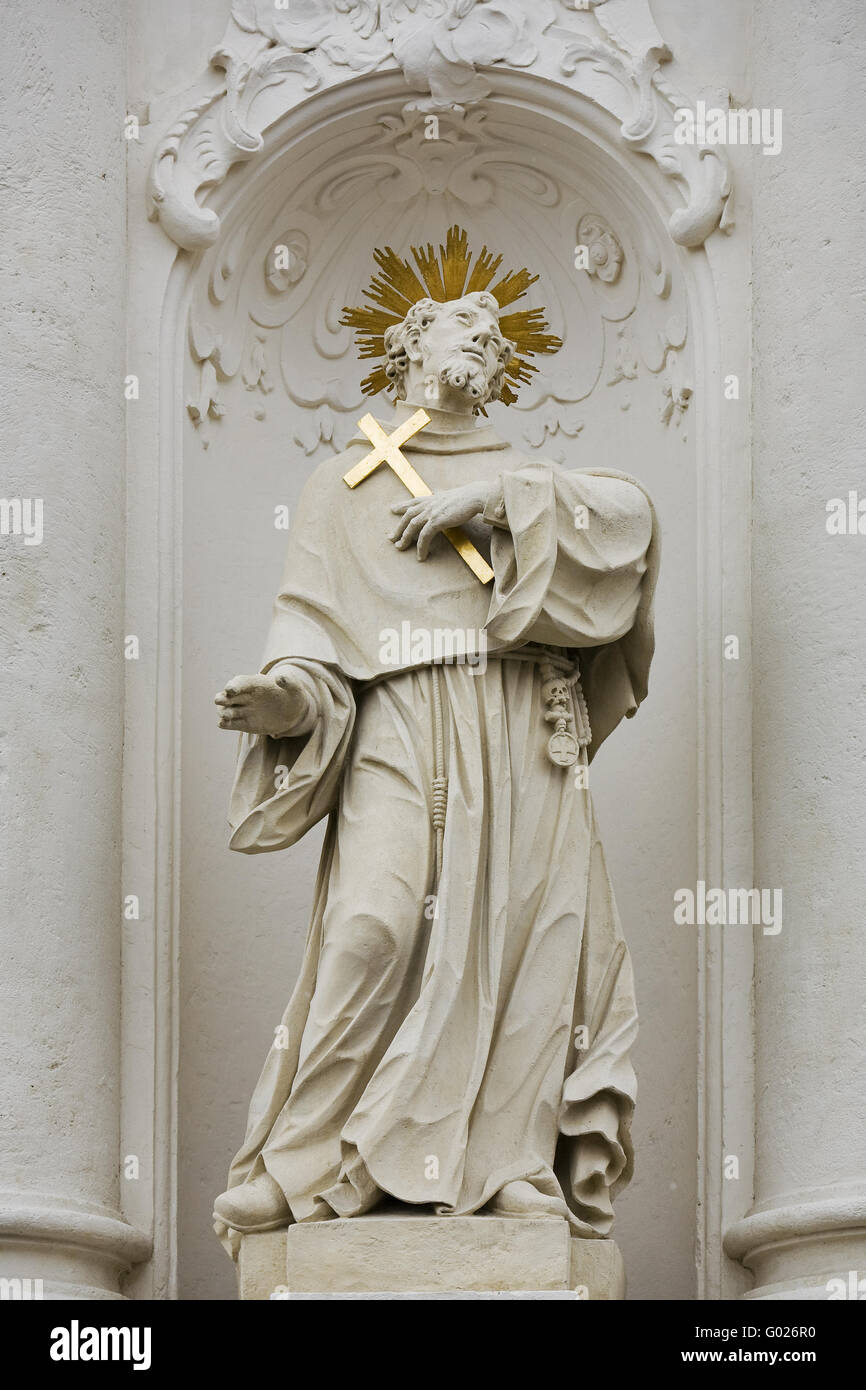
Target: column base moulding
x=77, y=1250
x=795, y=1250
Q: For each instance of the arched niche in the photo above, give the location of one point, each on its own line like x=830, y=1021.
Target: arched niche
x=254, y=381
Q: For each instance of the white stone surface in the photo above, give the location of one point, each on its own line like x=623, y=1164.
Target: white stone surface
x=64, y=297
x=428, y=1254
x=370, y=1086
x=809, y=652
x=223, y=510
x=61, y=630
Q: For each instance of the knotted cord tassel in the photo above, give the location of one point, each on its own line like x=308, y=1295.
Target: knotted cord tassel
x=570, y=717
x=440, y=781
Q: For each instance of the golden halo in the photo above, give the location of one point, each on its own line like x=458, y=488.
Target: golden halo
x=447, y=276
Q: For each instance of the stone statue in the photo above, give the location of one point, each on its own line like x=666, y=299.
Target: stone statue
x=458, y=1040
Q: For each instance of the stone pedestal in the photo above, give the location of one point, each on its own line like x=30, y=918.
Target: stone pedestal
x=428, y=1255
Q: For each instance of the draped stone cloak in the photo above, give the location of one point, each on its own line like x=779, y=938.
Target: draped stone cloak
x=447, y=1037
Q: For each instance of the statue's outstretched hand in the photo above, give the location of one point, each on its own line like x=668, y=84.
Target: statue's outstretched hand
x=262, y=705
x=422, y=518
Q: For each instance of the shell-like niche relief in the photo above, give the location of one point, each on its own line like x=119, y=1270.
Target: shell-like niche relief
x=280, y=276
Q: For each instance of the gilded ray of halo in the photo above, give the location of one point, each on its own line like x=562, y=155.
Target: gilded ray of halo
x=447, y=274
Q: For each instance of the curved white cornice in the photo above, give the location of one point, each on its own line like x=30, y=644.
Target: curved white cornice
x=450, y=53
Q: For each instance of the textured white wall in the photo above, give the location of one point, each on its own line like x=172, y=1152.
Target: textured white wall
x=809, y=633
x=61, y=612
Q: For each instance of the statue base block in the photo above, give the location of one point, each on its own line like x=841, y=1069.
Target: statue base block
x=435, y=1255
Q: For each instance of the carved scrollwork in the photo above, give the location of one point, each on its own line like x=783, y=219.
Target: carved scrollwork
x=280, y=276
x=449, y=52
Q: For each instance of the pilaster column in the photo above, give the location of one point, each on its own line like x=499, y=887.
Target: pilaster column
x=809, y=1220
x=61, y=632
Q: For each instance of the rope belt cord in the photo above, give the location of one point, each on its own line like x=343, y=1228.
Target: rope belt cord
x=440, y=781
x=563, y=695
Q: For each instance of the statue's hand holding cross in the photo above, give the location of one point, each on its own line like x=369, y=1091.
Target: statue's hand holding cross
x=427, y=514
x=422, y=518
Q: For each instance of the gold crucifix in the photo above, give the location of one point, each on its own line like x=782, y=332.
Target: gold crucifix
x=386, y=449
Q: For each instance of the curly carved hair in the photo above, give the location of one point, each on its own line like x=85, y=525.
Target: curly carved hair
x=401, y=336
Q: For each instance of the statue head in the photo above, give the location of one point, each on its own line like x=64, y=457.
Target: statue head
x=456, y=345
x=443, y=332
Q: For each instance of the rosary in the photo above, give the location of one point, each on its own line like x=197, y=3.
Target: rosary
x=568, y=738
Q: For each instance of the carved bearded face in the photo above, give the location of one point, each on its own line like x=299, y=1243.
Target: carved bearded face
x=458, y=344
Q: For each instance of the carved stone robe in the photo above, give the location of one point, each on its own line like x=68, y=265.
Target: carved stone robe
x=445, y=1038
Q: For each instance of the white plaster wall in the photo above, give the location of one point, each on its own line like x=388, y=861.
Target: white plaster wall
x=711, y=40
x=61, y=608
x=644, y=788
x=809, y=590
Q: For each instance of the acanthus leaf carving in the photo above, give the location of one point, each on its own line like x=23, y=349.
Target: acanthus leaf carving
x=449, y=52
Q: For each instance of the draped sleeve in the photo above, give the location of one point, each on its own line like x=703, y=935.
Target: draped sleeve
x=575, y=555
x=283, y=786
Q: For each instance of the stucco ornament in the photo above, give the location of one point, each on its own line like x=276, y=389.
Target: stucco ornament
x=605, y=252
x=450, y=53
x=458, y=1040
x=279, y=275
x=439, y=44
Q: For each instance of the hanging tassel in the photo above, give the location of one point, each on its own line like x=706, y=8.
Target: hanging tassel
x=440, y=781
x=563, y=695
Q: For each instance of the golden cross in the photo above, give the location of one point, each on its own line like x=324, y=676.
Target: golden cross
x=386, y=449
